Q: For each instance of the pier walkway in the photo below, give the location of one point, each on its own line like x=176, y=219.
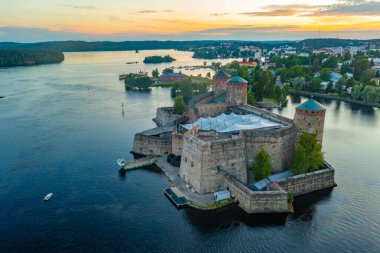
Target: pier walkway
x=173, y=174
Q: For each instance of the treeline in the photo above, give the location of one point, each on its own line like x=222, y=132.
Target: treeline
x=81, y=46
x=28, y=57
x=330, y=42
x=158, y=59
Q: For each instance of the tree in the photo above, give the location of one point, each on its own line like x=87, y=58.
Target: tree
x=366, y=76
x=260, y=87
x=179, y=106
x=137, y=81
x=316, y=157
x=324, y=74
x=347, y=56
x=186, y=88
x=300, y=162
x=356, y=91
x=315, y=67
x=250, y=98
x=262, y=167
x=345, y=68
x=307, y=154
x=208, y=75
x=315, y=84
x=167, y=71
x=340, y=85
x=155, y=73
x=331, y=62
x=297, y=83
x=330, y=87
x=360, y=65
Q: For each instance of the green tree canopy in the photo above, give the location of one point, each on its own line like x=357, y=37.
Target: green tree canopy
x=300, y=163
x=307, y=154
x=167, y=71
x=179, y=106
x=315, y=84
x=137, y=81
x=262, y=167
x=324, y=74
x=360, y=65
x=297, y=83
x=155, y=73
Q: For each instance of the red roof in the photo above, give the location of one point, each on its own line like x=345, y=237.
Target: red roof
x=247, y=63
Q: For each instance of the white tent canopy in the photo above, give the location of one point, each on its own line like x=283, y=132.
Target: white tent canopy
x=226, y=123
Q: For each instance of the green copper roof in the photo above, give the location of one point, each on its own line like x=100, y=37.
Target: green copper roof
x=237, y=79
x=311, y=105
x=221, y=74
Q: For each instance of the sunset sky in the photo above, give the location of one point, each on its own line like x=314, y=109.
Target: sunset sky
x=42, y=20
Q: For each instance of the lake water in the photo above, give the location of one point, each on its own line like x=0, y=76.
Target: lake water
x=62, y=128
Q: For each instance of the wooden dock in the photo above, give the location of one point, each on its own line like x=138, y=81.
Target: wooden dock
x=176, y=197
x=139, y=163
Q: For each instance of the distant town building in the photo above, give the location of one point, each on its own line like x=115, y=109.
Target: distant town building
x=172, y=77
x=251, y=64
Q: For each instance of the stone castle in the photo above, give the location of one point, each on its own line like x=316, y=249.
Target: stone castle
x=219, y=136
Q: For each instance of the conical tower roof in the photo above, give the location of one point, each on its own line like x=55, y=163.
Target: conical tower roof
x=237, y=79
x=221, y=74
x=311, y=105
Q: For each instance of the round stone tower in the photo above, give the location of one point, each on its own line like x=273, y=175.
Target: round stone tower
x=237, y=91
x=310, y=117
x=219, y=82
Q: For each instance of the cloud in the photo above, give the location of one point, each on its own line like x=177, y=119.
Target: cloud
x=342, y=8
x=351, y=8
x=151, y=11
x=219, y=14
x=85, y=7
x=280, y=10
x=244, y=32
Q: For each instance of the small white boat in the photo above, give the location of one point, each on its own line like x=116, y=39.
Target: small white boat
x=121, y=162
x=47, y=197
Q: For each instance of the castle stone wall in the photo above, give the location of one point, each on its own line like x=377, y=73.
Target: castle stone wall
x=219, y=85
x=156, y=145
x=309, y=182
x=212, y=109
x=275, y=201
x=279, y=143
x=201, y=160
x=165, y=117
x=177, y=143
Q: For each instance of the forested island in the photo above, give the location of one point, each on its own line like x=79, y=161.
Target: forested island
x=29, y=57
x=158, y=59
x=137, y=82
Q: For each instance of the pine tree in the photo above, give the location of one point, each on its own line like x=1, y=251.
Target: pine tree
x=262, y=167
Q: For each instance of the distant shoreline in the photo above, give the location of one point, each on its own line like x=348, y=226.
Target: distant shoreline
x=84, y=46
x=29, y=57
x=334, y=97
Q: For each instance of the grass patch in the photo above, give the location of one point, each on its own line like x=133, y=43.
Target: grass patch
x=213, y=205
x=271, y=101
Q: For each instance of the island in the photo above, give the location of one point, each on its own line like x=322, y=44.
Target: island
x=217, y=150
x=29, y=57
x=140, y=81
x=158, y=59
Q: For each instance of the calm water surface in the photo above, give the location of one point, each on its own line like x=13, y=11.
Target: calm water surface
x=62, y=128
